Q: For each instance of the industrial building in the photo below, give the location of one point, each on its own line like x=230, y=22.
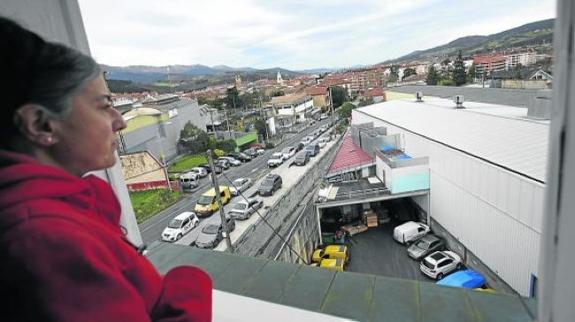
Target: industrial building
x=486, y=176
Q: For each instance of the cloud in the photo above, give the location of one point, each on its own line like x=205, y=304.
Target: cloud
x=290, y=34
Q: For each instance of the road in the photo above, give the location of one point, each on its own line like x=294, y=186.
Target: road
x=152, y=228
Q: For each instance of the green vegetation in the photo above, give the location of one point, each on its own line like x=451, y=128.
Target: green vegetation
x=459, y=75
x=339, y=96
x=187, y=162
x=432, y=76
x=345, y=111
x=148, y=203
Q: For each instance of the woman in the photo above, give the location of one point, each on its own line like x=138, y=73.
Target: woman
x=63, y=255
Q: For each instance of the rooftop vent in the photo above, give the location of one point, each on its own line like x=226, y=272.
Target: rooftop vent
x=419, y=97
x=458, y=100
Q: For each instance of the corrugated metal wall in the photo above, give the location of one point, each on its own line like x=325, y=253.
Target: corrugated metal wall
x=495, y=213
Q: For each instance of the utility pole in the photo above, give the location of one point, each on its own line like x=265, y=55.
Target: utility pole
x=219, y=200
x=331, y=103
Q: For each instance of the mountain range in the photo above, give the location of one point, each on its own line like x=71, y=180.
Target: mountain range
x=535, y=33
x=531, y=34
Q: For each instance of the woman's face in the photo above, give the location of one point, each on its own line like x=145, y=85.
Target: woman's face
x=86, y=137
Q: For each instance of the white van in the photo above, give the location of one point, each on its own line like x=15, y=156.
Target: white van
x=409, y=232
x=179, y=226
x=189, y=180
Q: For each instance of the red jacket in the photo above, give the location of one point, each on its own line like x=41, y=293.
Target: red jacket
x=63, y=256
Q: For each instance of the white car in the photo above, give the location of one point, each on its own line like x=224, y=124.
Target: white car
x=240, y=185
x=179, y=226
x=202, y=172
x=243, y=209
x=276, y=160
x=322, y=142
x=231, y=160
x=306, y=140
x=440, y=264
x=288, y=152
x=410, y=232
x=189, y=180
x=260, y=151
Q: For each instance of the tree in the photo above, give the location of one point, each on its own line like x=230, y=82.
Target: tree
x=193, y=140
x=365, y=101
x=459, y=76
x=408, y=72
x=277, y=92
x=432, y=76
x=260, y=126
x=471, y=73
x=232, y=99
x=345, y=110
x=338, y=96
x=393, y=74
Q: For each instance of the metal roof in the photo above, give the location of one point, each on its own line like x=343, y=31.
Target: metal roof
x=349, y=156
x=501, y=135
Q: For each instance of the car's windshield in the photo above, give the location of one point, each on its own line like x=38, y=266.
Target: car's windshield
x=205, y=200
x=175, y=223
x=239, y=206
x=422, y=244
x=211, y=229
x=268, y=183
x=238, y=182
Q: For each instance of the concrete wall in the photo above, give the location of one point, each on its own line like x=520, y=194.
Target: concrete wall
x=260, y=240
x=524, y=84
x=495, y=213
x=141, y=167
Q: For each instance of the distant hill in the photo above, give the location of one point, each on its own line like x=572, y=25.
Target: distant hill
x=153, y=74
x=534, y=33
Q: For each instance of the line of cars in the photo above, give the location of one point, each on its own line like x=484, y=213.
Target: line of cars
x=435, y=260
x=190, y=179
x=302, y=151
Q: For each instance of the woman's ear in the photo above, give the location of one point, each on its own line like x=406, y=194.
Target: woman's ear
x=36, y=124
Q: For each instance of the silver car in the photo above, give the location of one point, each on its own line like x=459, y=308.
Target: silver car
x=240, y=185
x=426, y=245
x=244, y=209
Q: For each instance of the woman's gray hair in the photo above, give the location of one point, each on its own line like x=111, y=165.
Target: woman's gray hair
x=39, y=72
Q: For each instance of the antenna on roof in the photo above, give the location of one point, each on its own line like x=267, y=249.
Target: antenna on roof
x=458, y=100
x=419, y=97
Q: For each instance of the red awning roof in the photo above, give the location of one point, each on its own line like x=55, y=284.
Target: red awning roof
x=349, y=156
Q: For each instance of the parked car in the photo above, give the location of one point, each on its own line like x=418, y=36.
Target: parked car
x=260, y=151
x=336, y=265
x=275, y=160
x=240, y=156
x=439, y=264
x=243, y=209
x=323, y=116
x=231, y=160
x=331, y=252
x=208, y=204
x=466, y=278
x=312, y=149
x=288, y=152
x=223, y=163
x=271, y=184
x=218, y=168
x=322, y=142
x=200, y=171
x=299, y=147
x=301, y=158
x=425, y=245
x=189, y=180
x=307, y=140
x=251, y=152
x=179, y=226
x=207, y=168
x=240, y=185
x=410, y=232
x=213, y=233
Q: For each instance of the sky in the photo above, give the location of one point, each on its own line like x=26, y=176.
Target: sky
x=295, y=34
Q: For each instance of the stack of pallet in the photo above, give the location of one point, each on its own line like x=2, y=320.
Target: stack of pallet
x=354, y=229
x=370, y=218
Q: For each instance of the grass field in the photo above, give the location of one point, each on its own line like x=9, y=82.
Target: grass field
x=186, y=163
x=148, y=203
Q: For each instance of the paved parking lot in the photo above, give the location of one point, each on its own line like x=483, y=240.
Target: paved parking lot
x=375, y=252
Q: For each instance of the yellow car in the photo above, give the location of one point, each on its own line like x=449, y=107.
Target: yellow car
x=332, y=264
x=331, y=252
x=208, y=204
